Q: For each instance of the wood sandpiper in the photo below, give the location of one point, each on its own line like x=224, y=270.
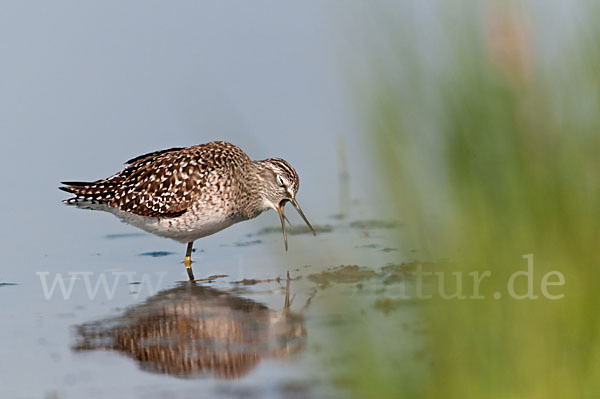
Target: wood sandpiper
x=188, y=193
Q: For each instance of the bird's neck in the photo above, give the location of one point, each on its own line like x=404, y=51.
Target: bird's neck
x=251, y=202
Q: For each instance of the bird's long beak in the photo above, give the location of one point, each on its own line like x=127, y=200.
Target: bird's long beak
x=295, y=203
x=283, y=218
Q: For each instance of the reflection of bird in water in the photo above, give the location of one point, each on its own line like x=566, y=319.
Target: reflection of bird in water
x=192, y=331
x=193, y=192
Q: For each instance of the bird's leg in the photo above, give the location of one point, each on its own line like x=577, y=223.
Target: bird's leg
x=188, y=261
x=286, y=305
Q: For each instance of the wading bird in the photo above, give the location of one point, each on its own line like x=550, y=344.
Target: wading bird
x=188, y=193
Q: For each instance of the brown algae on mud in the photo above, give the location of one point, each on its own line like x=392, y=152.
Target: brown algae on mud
x=210, y=279
x=387, y=304
x=382, y=283
x=252, y=281
x=342, y=274
x=374, y=224
x=369, y=224
x=295, y=230
x=355, y=274
x=369, y=246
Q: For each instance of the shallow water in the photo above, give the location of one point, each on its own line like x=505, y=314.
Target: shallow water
x=242, y=329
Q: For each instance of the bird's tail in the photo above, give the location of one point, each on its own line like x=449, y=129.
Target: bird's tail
x=101, y=191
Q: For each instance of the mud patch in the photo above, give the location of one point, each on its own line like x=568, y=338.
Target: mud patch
x=388, y=275
x=374, y=224
x=370, y=246
x=295, y=230
x=210, y=279
x=387, y=304
x=252, y=281
x=342, y=274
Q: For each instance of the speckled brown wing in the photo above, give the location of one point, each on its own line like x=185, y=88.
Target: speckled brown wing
x=162, y=183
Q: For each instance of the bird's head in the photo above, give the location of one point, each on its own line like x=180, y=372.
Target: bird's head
x=279, y=185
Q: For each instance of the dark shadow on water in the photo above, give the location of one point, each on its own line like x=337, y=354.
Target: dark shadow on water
x=157, y=254
x=194, y=331
x=7, y=284
x=243, y=243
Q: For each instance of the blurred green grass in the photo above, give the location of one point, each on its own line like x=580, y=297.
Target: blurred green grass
x=491, y=150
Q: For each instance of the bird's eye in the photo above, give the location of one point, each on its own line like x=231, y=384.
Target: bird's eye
x=280, y=181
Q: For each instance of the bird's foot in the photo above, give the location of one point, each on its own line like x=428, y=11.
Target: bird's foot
x=188, y=267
